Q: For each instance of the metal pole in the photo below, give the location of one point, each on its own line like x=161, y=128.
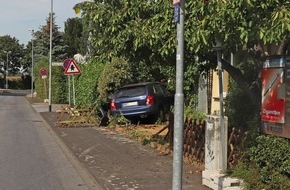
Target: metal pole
x=32, y=63
x=179, y=105
x=69, y=96
x=74, y=91
x=50, y=56
x=6, y=70
x=222, y=154
x=45, y=91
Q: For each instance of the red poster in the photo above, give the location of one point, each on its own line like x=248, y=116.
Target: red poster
x=273, y=106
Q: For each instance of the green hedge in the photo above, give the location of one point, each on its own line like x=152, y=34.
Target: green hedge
x=115, y=74
x=87, y=82
x=58, y=85
x=266, y=164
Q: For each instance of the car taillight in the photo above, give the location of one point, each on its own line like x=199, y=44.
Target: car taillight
x=113, y=105
x=149, y=100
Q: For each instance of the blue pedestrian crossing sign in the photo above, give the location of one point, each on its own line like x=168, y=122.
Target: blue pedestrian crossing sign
x=72, y=68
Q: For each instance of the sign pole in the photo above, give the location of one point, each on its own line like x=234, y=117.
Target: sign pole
x=45, y=91
x=74, y=92
x=69, y=94
x=179, y=98
x=71, y=68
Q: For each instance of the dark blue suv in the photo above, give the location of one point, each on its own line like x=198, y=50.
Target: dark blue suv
x=149, y=100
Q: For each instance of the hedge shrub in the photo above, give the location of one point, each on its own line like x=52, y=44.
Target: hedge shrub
x=87, y=82
x=115, y=74
x=58, y=85
x=266, y=165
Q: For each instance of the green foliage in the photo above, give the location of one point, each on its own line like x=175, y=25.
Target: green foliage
x=124, y=30
x=73, y=35
x=269, y=161
x=42, y=42
x=233, y=23
x=243, y=116
x=17, y=82
x=120, y=120
x=192, y=113
x=11, y=48
x=87, y=82
x=115, y=74
x=41, y=85
x=59, y=87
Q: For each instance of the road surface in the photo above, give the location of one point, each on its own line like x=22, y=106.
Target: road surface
x=30, y=155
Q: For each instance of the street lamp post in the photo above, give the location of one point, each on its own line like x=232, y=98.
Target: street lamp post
x=7, y=53
x=222, y=158
x=179, y=99
x=50, y=56
x=32, y=62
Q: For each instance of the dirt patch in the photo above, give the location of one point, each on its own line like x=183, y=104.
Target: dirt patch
x=155, y=136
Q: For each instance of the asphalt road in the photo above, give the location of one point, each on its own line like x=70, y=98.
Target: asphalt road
x=30, y=157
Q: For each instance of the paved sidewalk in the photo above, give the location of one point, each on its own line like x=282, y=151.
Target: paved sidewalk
x=117, y=163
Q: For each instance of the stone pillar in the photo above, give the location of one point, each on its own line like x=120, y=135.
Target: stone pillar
x=216, y=144
x=216, y=156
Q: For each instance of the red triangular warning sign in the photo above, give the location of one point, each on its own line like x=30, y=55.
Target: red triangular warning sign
x=72, y=68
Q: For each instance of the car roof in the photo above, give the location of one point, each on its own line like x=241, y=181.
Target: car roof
x=141, y=84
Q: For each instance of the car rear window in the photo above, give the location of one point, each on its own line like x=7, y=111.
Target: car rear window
x=130, y=92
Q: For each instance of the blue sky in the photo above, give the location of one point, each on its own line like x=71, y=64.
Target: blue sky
x=18, y=16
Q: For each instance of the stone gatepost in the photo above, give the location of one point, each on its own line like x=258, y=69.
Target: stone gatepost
x=216, y=156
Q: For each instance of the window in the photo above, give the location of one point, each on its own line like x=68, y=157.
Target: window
x=130, y=92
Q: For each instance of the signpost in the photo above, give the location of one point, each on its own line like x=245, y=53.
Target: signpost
x=179, y=98
x=43, y=74
x=71, y=68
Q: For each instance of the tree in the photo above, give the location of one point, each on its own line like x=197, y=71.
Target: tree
x=250, y=37
x=42, y=42
x=73, y=36
x=14, y=51
x=145, y=31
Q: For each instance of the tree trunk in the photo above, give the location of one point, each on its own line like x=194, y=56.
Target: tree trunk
x=237, y=76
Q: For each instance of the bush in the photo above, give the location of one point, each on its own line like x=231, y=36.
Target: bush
x=58, y=85
x=193, y=113
x=245, y=116
x=268, y=161
x=87, y=82
x=115, y=74
x=19, y=82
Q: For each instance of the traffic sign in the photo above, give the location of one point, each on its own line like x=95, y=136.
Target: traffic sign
x=42, y=72
x=176, y=13
x=72, y=68
x=66, y=62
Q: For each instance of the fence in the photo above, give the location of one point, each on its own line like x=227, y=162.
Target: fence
x=194, y=140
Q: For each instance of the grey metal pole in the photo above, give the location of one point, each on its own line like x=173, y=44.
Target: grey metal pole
x=222, y=154
x=69, y=93
x=7, y=70
x=50, y=56
x=179, y=105
x=32, y=63
x=74, y=91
